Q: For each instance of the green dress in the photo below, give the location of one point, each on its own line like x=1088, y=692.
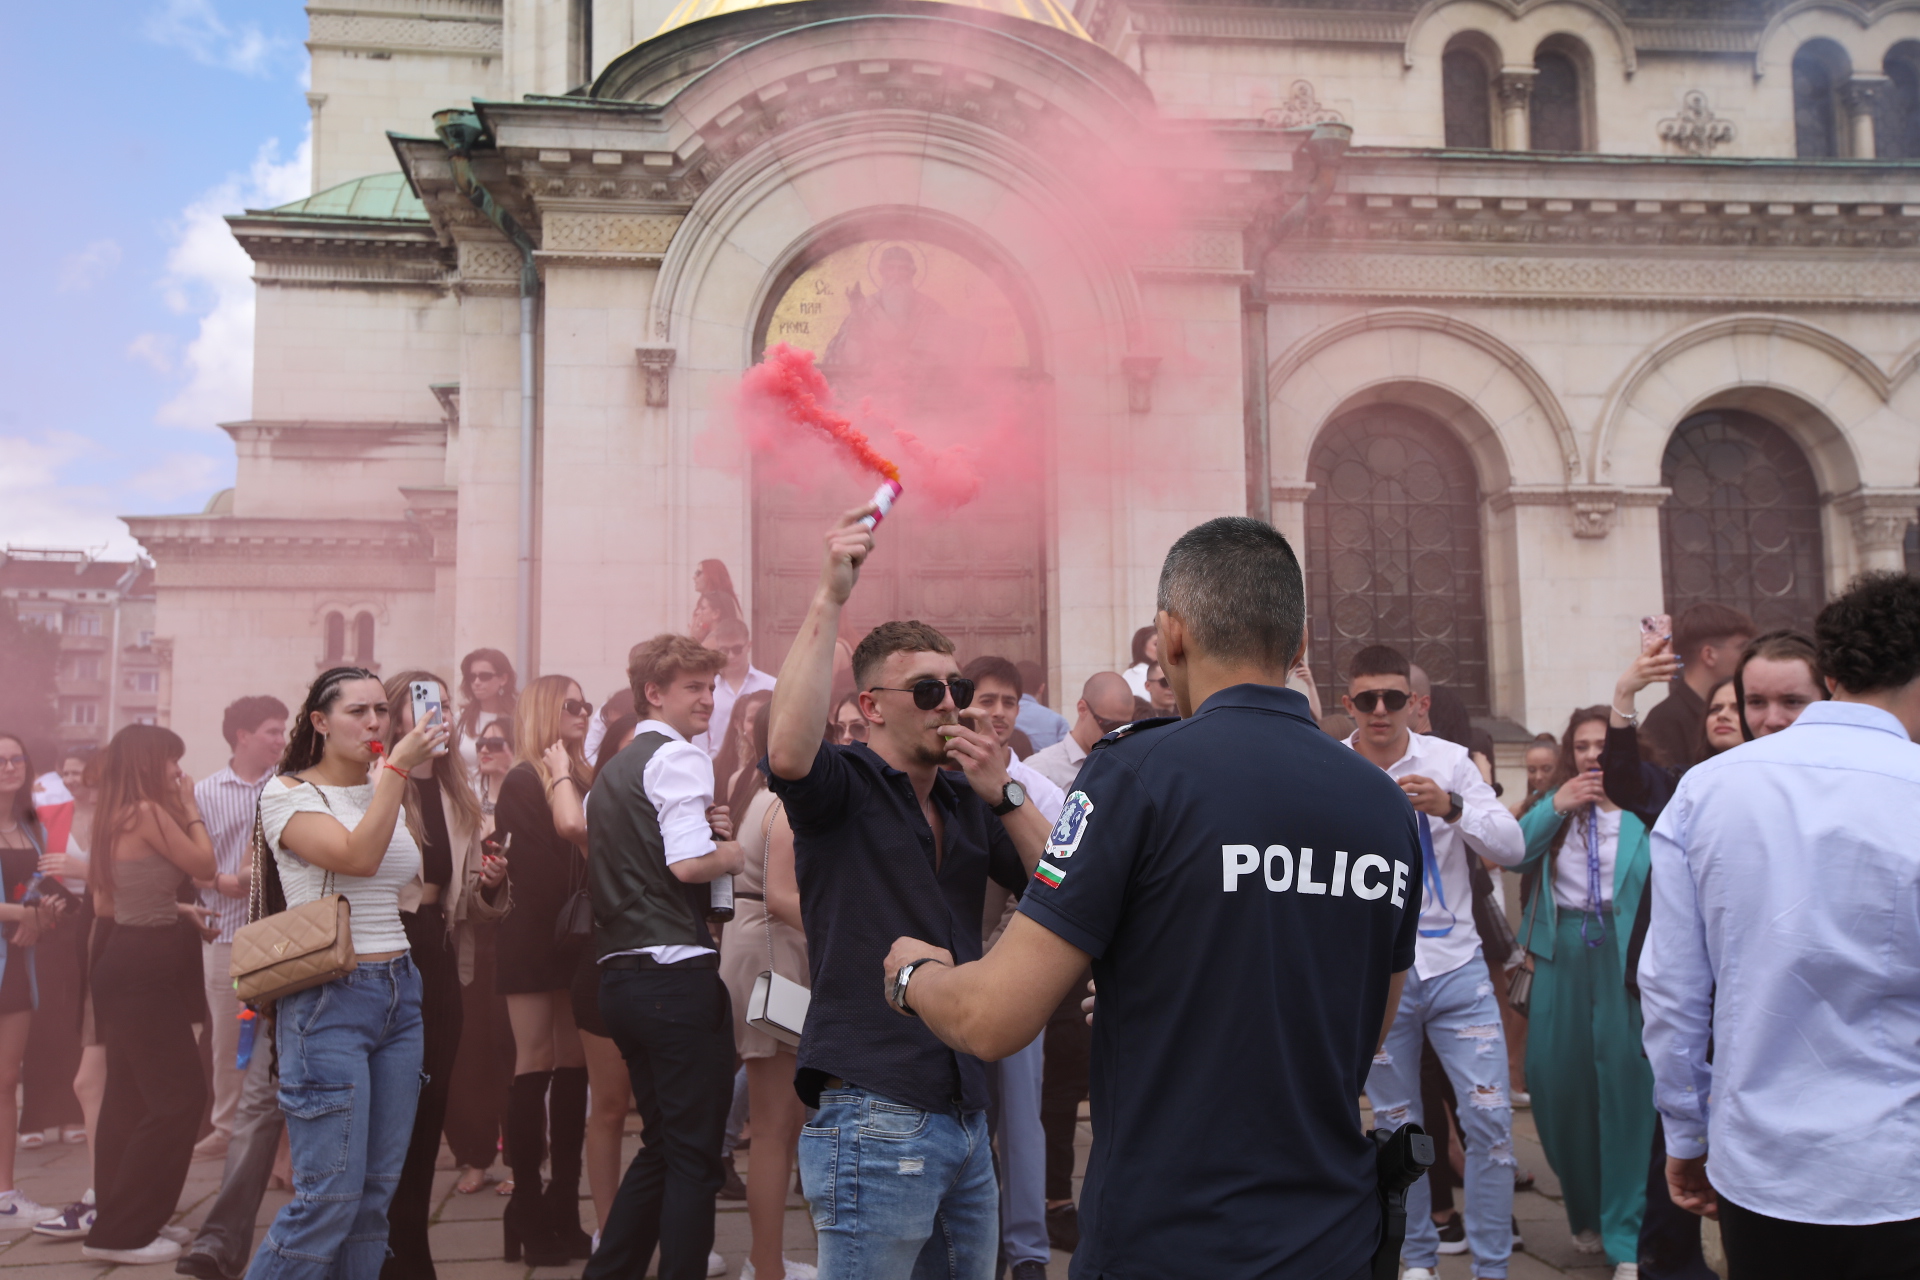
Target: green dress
x=1591, y=1086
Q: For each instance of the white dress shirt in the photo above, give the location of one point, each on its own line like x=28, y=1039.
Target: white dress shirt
x=1061, y=762
x=1447, y=936
x=1046, y=798
x=1786, y=932
x=724, y=696
x=678, y=781
x=1570, y=868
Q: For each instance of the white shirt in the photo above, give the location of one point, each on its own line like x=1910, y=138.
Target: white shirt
x=1136, y=678
x=1570, y=868
x=724, y=696
x=1046, y=798
x=374, y=899
x=1484, y=827
x=678, y=781
x=1786, y=933
x=1061, y=762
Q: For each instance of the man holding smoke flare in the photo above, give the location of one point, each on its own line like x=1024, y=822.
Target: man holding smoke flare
x=895, y=835
x=1248, y=892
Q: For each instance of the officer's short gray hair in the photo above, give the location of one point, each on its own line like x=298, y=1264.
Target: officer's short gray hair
x=1236, y=583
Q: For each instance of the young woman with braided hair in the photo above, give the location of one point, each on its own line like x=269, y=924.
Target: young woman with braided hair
x=349, y=1050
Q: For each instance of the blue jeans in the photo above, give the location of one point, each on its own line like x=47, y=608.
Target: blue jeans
x=1459, y=1015
x=897, y=1192
x=350, y=1053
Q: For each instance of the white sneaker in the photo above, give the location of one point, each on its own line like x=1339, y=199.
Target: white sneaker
x=1519, y=1099
x=1626, y=1271
x=16, y=1210
x=716, y=1265
x=179, y=1235
x=795, y=1270
x=1587, y=1242
x=1418, y=1273
x=159, y=1249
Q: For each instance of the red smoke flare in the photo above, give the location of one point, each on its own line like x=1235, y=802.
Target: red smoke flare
x=787, y=378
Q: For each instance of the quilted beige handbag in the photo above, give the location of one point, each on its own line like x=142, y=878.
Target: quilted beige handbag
x=281, y=949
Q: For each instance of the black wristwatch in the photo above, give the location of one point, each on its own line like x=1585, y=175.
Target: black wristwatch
x=897, y=993
x=1012, y=796
x=1455, y=807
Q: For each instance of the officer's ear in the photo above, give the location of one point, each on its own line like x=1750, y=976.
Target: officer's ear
x=1173, y=639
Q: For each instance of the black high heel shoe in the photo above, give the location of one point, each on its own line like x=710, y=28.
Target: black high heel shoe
x=528, y=1233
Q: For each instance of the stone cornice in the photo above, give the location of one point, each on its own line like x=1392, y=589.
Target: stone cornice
x=1590, y=507
x=471, y=27
x=172, y=539
x=339, y=441
x=324, y=252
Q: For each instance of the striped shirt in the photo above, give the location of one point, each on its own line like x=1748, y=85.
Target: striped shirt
x=228, y=801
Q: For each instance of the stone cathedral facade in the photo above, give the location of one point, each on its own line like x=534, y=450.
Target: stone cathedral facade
x=1523, y=319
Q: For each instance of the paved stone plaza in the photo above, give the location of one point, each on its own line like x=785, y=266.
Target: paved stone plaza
x=466, y=1230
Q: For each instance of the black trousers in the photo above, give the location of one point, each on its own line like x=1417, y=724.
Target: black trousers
x=155, y=1091
x=1063, y=1086
x=1669, y=1235
x=1763, y=1248
x=674, y=1026
x=477, y=1089
x=440, y=1018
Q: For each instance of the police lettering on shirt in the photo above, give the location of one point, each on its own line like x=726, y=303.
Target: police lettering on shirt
x=1366, y=876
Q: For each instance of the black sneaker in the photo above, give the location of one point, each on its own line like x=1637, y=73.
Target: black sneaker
x=1453, y=1235
x=1029, y=1270
x=199, y=1265
x=1063, y=1227
x=732, y=1188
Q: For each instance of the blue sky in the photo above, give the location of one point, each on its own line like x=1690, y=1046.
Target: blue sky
x=134, y=124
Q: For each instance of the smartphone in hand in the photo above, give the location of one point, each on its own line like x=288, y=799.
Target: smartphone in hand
x=426, y=704
x=1654, y=628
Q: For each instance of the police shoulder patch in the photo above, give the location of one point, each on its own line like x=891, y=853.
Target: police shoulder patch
x=1075, y=814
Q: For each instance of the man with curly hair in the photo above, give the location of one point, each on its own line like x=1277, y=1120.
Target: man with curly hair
x=1786, y=931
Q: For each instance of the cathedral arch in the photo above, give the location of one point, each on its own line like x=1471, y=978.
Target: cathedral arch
x=1467, y=70
x=1518, y=26
x=1820, y=69
x=1560, y=113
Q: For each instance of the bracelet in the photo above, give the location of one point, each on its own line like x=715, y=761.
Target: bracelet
x=402, y=772
x=1631, y=717
x=565, y=777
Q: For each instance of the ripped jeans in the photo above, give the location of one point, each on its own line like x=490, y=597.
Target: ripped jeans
x=897, y=1192
x=350, y=1079
x=1459, y=1013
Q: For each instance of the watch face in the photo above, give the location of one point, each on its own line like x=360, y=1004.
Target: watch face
x=1015, y=794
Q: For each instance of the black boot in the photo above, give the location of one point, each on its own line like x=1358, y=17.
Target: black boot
x=567, y=1123
x=525, y=1222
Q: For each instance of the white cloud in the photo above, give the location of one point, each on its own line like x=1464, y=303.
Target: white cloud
x=195, y=27
x=89, y=266
x=209, y=274
x=155, y=350
x=39, y=509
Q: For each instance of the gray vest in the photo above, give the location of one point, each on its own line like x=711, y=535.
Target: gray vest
x=637, y=901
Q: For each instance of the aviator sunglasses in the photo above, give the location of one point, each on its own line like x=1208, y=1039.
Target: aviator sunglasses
x=927, y=694
x=1368, y=700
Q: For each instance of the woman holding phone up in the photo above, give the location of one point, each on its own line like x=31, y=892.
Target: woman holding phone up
x=458, y=885
x=349, y=1050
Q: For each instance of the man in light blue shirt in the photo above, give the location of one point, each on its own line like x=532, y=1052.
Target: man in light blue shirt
x=1042, y=724
x=1786, y=933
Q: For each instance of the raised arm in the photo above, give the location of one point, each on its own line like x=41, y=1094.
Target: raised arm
x=324, y=841
x=186, y=847
x=797, y=720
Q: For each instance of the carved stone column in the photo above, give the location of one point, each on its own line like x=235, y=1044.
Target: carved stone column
x=1879, y=519
x=1862, y=96
x=1514, y=85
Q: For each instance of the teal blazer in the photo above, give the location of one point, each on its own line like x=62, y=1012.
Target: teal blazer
x=1631, y=864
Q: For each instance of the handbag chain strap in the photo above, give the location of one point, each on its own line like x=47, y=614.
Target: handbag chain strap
x=766, y=864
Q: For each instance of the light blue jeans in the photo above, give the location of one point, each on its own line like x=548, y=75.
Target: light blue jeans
x=350, y=1054
x=1460, y=1016
x=897, y=1192
x=1013, y=1104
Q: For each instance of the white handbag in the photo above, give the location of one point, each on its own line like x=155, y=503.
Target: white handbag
x=777, y=1005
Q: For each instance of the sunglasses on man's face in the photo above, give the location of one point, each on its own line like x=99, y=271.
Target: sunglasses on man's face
x=1108, y=726
x=929, y=693
x=1372, y=698
x=575, y=707
x=1160, y=683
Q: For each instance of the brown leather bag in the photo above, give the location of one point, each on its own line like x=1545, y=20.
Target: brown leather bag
x=282, y=949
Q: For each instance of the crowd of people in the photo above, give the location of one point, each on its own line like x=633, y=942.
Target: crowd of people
x=564, y=914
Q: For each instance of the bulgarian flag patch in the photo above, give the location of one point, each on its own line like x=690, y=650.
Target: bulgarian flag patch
x=1048, y=874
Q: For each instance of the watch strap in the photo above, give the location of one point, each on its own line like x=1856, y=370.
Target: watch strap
x=1007, y=806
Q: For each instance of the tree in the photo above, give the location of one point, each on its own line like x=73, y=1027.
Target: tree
x=29, y=658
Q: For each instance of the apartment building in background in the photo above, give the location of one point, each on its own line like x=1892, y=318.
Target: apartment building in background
x=111, y=671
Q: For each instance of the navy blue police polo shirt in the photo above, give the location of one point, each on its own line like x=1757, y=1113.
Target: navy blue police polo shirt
x=1247, y=886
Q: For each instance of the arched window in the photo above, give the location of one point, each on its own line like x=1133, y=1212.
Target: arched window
x=1743, y=524
x=334, y=640
x=363, y=639
x=1819, y=69
x=1393, y=549
x=1896, y=134
x=1557, y=114
x=1466, y=87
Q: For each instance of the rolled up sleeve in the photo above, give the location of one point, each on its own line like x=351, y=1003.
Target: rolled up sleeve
x=679, y=783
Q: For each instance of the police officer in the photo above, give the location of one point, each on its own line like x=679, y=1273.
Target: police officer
x=1248, y=892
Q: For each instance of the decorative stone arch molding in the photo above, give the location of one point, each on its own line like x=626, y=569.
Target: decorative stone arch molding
x=1518, y=26
x=1525, y=437
x=1865, y=32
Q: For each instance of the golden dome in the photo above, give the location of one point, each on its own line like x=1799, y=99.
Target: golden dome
x=1049, y=13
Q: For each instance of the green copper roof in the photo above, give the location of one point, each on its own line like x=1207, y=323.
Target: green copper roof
x=384, y=196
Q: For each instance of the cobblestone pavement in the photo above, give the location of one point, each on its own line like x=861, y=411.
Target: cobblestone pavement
x=466, y=1229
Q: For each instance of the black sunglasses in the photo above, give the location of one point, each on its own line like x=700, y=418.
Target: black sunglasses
x=1108, y=726
x=575, y=707
x=1371, y=698
x=929, y=693
x=490, y=744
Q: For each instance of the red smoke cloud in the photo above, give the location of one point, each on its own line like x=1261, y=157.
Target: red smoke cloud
x=787, y=385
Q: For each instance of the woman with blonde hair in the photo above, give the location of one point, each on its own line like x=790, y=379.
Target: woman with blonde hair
x=458, y=885
x=541, y=823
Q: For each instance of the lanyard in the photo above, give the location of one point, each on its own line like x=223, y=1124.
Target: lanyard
x=1594, y=906
x=1430, y=874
